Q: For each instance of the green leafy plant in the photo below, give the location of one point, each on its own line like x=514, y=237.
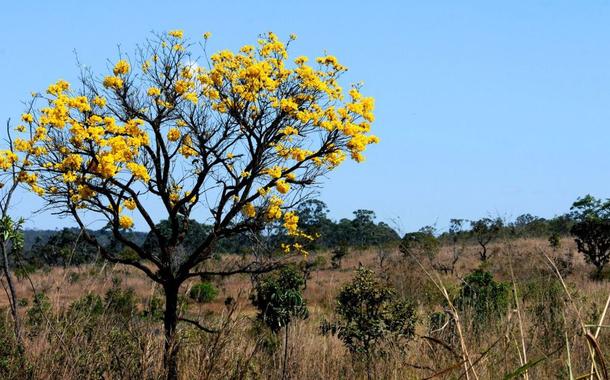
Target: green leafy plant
x=371, y=312
x=279, y=300
x=420, y=244
x=592, y=231
x=483, y=297
x=203, y=292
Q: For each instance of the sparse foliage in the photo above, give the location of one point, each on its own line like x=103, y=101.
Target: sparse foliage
x=371, y=312
x=279, y=300
x=482, y=296
x=237, y=139
x=485, y=230
x=592, y=230
x=421, y=244
x=203, y=292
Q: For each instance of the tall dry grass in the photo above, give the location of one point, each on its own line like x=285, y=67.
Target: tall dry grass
x=556, y=327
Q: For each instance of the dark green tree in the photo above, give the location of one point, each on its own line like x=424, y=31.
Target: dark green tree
x=203, y=292
x=482, y=297
x=66, y=247
x=371, y=312
x=592, y=230
x=279, y=300
x=484, y=231
x=420, y=244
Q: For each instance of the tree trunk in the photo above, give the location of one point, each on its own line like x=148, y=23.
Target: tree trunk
x=12, y=298
x=170, y=321
x=483, y=253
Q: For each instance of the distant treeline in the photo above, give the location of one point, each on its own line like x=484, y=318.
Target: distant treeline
x=524, y=226
x=68, y=246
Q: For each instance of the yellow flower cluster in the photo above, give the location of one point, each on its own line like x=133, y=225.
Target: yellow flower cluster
x=179, y=34
x=113, y=82
x=130, y=204
x=275, y=172
x=111, y=146
x=173, y=134
x=153, y=91
x=186, y=149
x=249, y=210
x=121, y=67
x=291, y=221
x=282, y=186
x=139, y=171
x=125, y=222
x=249, y=87
x=274, y=211
x=7, y=159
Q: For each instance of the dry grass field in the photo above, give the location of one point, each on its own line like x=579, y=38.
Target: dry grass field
x=543, y=333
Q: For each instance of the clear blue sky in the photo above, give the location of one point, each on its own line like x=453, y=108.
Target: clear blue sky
x=482, y=107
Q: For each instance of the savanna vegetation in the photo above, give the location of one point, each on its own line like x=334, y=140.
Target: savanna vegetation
x=244, y=275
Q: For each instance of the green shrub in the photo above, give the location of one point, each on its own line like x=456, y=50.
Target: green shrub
x=370, y=314
x=279, y=299
x=481, y=295
x=120, y=302
x=38, y=312
x=420, y=244
x=90, y=305
x=338, y=254
x=154, y=309
x=203, y=292
x=13, y=364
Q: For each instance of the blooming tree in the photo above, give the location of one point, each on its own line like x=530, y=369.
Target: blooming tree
x=237, y=137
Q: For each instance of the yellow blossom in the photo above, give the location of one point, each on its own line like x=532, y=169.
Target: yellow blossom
x=130, y=204
x=191, y=97
x=113, y=82
x=291, y=221
x=179, y=34
x=274, y=210
x=138, y=171
x=99, y=101
x=153, y=91
x=282, y=186
x=249, y=210
x=121, y=68
x=275, y=172
x=125, y=222
x=173, y=134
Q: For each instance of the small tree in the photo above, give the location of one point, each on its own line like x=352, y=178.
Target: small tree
x=338, y=254
x=555, y=241
x=485, y=230
x=421, y=244
x=203, y=292
x=592, y=230
x=371, y=312
x=484, y=297
x=11, y=244
x=237, y=139
x=456, y=229
x=11, y=232
x=279, y=300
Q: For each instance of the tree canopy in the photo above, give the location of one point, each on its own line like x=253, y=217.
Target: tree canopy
x=237, y=139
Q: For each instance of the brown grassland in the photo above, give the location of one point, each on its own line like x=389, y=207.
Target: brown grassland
x=544, y=333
